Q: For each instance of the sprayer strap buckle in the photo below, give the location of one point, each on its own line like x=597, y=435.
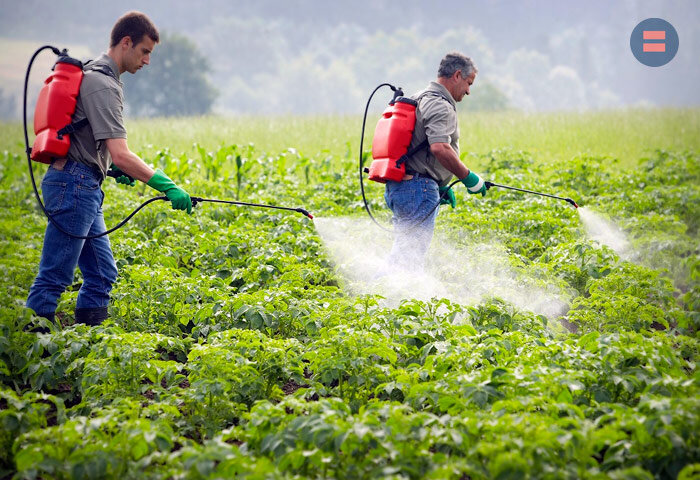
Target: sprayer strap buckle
x=412, y=151
x=401, y=160
x=72, y=127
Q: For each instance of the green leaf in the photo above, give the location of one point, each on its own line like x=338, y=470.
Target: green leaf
x=28, y=458
x=139, y=448
x=565, y=396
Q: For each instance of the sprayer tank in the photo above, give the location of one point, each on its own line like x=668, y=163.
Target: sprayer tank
x=54, y=109
x=392, y=137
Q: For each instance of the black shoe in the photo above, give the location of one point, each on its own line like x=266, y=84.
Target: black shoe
x=91, y=316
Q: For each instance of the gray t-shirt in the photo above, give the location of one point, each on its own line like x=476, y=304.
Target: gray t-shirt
x=100, y=100
x=436, y=120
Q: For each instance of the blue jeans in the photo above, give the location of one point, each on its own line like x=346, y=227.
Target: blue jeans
x=413, y=204
x=73, y=198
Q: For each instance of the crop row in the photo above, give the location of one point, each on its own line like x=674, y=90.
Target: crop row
x=233, y=347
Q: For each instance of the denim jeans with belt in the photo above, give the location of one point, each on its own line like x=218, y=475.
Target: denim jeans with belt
x=73, y=198
x=413, y=204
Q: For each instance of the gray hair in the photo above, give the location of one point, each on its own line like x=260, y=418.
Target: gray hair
x=454, y=61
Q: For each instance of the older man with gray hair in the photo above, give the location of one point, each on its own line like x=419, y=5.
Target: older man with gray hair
x=413, y=200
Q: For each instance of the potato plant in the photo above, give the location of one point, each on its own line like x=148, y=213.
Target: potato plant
x=234, y=348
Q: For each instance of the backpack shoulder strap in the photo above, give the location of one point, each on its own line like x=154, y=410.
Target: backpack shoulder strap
x=434, y=94
x=424, y=144
x=91, y=66
x=88, y=66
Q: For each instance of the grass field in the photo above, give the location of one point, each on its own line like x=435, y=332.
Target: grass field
x=241, y=344
x=626, y=135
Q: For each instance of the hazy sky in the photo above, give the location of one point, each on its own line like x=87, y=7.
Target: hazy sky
x=315, y=56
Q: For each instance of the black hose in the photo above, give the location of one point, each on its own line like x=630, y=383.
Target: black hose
x=437, y=204
x=31, y=168
x=444, y=193
x=123, y=222
x=362, y=165
x=362, y=160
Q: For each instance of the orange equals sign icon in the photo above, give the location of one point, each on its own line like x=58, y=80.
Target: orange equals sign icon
x=654, y=35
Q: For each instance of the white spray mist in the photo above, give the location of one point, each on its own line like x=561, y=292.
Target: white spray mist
x=463, y=275
x=605, y=232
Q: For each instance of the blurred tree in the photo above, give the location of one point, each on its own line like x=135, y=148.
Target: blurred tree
x=175, y=82
x=486, y=96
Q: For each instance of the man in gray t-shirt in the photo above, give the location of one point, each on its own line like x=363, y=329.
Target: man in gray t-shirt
x=71, y=186
x=414, y=200
x=101, y=101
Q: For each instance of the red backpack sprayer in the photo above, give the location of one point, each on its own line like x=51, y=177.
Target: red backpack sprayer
x=53, y=125
x=390, y=148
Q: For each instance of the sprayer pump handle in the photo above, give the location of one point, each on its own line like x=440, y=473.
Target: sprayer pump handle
x=398, y=92
x=113, y=174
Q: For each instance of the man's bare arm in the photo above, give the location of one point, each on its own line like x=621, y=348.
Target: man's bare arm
x=448, y=158
x=127, y=161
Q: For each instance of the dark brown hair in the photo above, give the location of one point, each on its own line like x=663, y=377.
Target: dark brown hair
x=134, y=25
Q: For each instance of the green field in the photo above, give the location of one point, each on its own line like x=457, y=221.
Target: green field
x=239, y=346
x=626, y=134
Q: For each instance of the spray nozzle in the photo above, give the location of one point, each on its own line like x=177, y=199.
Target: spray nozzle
x=304, y=212
x=571, y=202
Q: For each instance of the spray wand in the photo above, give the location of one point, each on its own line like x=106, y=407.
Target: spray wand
x=491, y=184
x=196, y=200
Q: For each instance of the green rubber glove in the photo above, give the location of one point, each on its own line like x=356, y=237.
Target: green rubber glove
x=123, y=179
x=179, y=198
x=447, y=198
x=474, y=183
